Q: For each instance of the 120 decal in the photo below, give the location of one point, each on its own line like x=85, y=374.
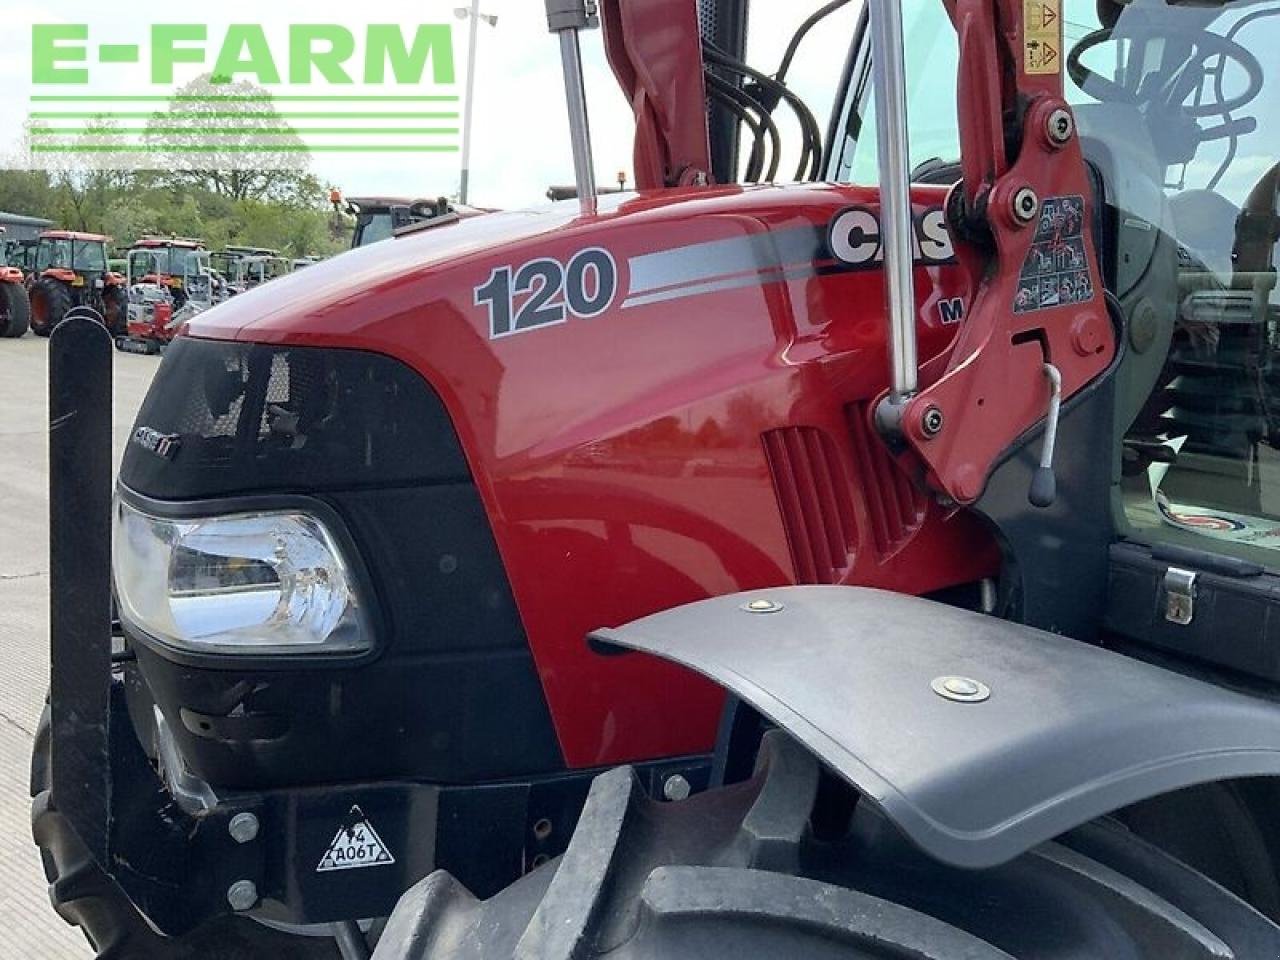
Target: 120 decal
x=545, y=291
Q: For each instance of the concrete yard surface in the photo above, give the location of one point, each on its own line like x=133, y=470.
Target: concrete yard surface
x=31, y=928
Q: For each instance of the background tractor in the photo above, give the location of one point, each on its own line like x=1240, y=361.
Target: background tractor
x=69, y=269
x=849, y=568
x=170, y=281
x=378, y=218
x=242, y=268
x=15, y=307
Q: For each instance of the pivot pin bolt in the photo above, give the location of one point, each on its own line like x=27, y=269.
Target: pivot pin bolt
x=242, y=895
x=1061, y=126
x=676, y=787
x=931, y=422
x=1025, y=205
x=243, y=827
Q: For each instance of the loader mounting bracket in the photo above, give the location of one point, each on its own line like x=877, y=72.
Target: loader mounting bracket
x=977, y=737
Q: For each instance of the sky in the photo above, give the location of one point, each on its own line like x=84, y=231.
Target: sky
x=520, y=139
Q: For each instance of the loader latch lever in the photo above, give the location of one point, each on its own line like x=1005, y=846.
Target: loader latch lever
x=1044, y=485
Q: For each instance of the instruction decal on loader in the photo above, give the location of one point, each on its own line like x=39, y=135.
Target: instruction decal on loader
x=1042, y=37
x=356, y=844
x=1056, y=271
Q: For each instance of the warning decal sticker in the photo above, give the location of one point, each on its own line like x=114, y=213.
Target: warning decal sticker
x=1056, y=271
x=356, y=844
x=1042, y=37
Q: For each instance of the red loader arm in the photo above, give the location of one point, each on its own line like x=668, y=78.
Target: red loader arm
x=655, y=50
x=1025, y=207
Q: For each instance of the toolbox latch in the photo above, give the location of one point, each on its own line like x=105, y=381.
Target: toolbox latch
x=1179, y=595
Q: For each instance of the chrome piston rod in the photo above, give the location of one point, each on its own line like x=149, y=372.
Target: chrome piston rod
x=889, y=80
x=566, y=18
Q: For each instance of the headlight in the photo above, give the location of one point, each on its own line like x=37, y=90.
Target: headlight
x=249, y=583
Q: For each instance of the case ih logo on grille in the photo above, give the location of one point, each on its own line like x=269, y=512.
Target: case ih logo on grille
x=164, y=445
x=356, y=844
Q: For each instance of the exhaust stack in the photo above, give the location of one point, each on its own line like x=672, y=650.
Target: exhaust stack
x=566, y=18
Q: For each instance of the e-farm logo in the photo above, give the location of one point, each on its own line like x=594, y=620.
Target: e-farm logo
x=255, y=101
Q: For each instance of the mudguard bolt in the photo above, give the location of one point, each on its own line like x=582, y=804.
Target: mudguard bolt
x=1061, y=126
x=1025, y=205
x=961, y=689
x=242, y=895
x=762, y=605
x=243, y=827
x=676, y=787
x=931, y=422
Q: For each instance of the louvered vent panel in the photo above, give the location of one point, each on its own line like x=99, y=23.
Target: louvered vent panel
x=895, y=505
x=815, y=500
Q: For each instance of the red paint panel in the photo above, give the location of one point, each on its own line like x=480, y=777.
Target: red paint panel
x=620, y=458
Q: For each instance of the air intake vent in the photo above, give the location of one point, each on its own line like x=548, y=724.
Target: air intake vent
x=816, y=503
x=895, y=505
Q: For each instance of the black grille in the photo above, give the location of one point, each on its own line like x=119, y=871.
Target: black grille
x=258, y=418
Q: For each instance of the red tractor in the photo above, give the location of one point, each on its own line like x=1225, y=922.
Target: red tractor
x=15, y=307
x=878, y=565
x=70, y=270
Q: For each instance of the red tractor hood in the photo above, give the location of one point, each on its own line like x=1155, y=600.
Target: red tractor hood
x=362, y=284
x=629, y=384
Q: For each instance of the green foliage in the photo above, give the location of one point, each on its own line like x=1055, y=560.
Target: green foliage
x=280, y=204
x=145, y=205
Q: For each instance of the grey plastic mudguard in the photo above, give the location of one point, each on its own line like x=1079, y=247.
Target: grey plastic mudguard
x=1070, y=732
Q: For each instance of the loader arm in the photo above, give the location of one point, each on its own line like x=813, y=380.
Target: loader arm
x=655, y=50
x=1025, y=193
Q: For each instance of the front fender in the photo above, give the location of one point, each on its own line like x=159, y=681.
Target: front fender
x=1069, y=732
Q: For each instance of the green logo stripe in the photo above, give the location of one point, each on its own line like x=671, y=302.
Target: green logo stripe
x=238, y=98
x=237, y=115
x=241, y=148
x=242, y=131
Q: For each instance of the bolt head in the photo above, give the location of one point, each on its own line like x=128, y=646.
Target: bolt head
x=931, y=422
x=1062, y=126
x=762, y=605
x=1025, y=205
x=961, y=689
x=243, y=827
x=242, y=895
x=676, y=787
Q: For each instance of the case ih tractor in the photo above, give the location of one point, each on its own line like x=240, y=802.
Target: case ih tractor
x=857, y=567
x=15, y=307
x=70, y=270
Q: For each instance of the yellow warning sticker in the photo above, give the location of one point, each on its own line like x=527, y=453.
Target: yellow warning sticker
x=1042, y=36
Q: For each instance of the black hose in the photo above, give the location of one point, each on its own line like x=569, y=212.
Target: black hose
x=716, y=90
x=819, y=14
x=767, y=125
x=811, y=135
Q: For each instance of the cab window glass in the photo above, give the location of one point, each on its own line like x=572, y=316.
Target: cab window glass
x=932, y=61
x=1184, y=100
x=1202, y=458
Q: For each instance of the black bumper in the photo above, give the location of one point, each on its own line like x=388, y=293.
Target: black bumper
x=175, y=855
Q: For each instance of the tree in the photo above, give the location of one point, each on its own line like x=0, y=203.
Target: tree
x=77, y=168
x=228, y=139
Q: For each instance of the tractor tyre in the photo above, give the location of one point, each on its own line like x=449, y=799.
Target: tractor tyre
x=15, y=310
x=50, y=301
x=791, y=865
x=115, y=310
x=86, y=897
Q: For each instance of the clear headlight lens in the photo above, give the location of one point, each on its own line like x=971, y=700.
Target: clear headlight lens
x=250, y=583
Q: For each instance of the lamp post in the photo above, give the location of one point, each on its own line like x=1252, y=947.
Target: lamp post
x=463, y=13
